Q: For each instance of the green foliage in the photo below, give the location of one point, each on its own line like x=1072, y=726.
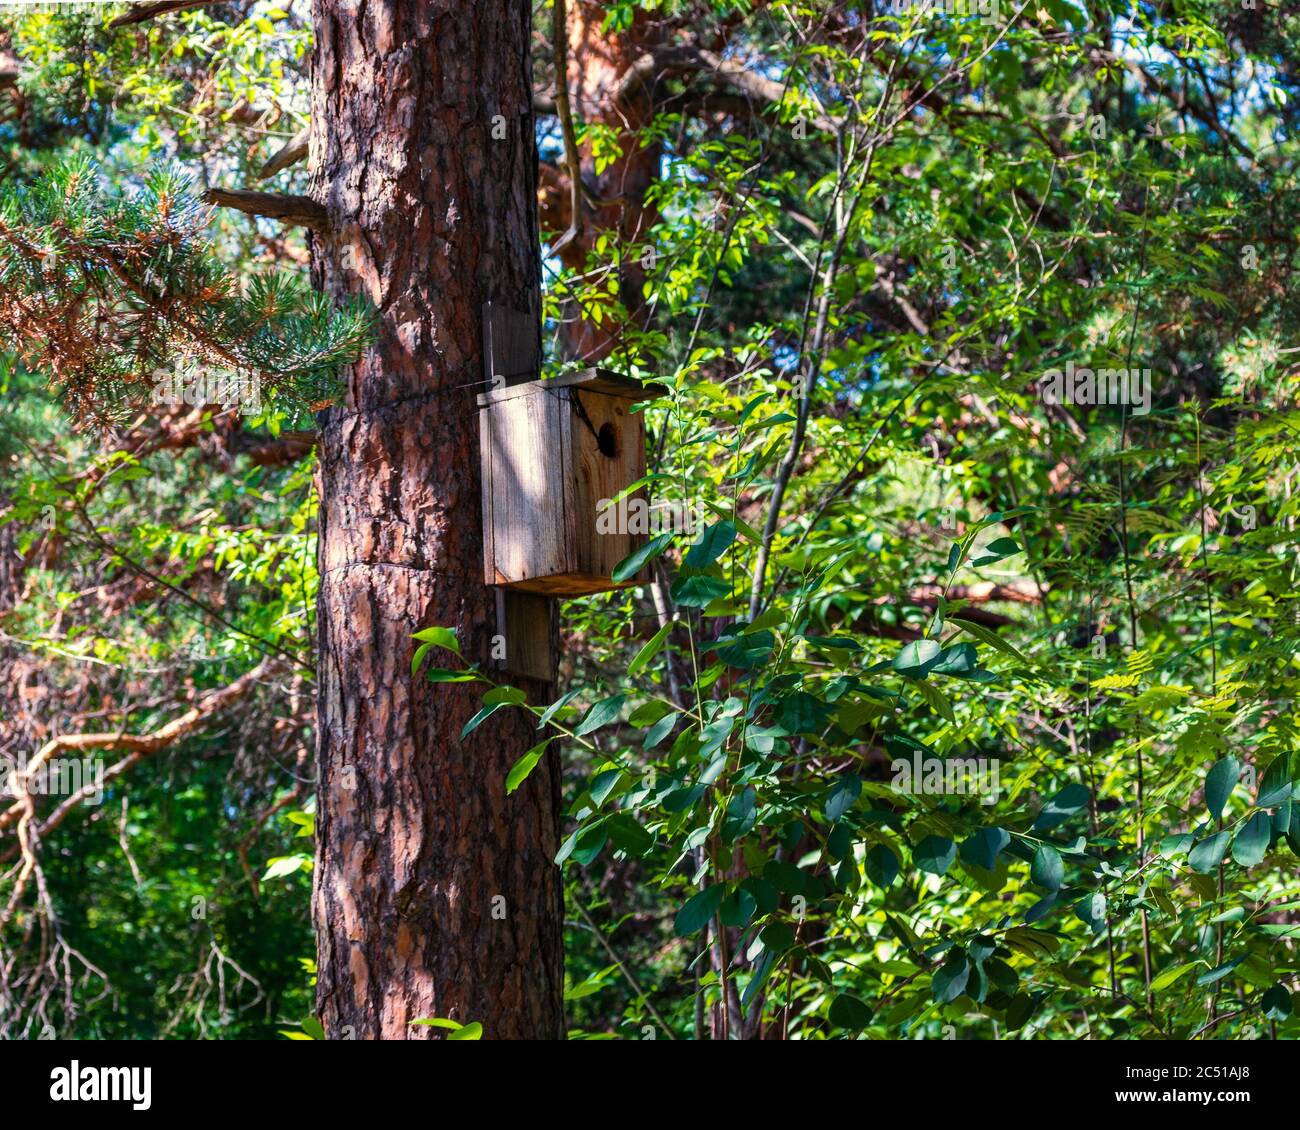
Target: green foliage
x=1140, y=628
x=111, y=294
x=960, y=712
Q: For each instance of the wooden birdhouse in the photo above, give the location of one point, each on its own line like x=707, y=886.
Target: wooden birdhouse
x=555, y=453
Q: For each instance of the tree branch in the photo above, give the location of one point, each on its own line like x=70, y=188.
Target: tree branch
x=300, y=210
x=1179, y=100
x=294, y=150
x=560, y=34
x=139, y=13
x=685, y=58
x=139, y=745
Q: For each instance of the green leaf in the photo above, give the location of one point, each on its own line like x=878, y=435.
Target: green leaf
x=566, y=848
x=1219, y=972
x=440, y=675
x=982, y=849
x=957, y=660
x=882, y=865
x=988, y=636
x=1019, y=1011
x=802, y=713
x=602, y=714
x=525, y=765
x=934, y=854
x=1092, y=910
x=589, y=842
x=589, y=987
x=949, y=980
x=997, y=550
x=842, y=796
x=558, y=705
x=1062, y=806
x=1033, y=943
x=832, y=643
x=713, y=542
x=937, y=701
x=1167, y=977
x=1209, y=853
x=738, y=907
x=660, y=730
x=697, y=910
x=746, y=651
x=439, y=637
x=715, y=733
x=419, y=654
x=1219, y=783
x=1047, y=870
x=1275, y=786
x=472, y=1031
x=634, y=562
x=628, y=836
x=650, y=650
x=742, y=527
x=281, y=865
x=698, y=590
x=749, y=408
x=1251, y=841
x=602, y=784
x=740, y=816
x=504, y=696
x=649, y=713
x=481, y=717
x=1276, y=1003
x=785, y=876
x=1004, y=978
x=849, y=1012
x=917, y=657
x=777, y=936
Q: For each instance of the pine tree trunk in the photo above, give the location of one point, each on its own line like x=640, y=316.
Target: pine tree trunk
x=436, y=895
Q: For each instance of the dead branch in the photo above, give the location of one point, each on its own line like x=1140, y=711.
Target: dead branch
x=138, y=745
x=139, y=13
x=982, y=592
x=300, y=210
x=293, y=151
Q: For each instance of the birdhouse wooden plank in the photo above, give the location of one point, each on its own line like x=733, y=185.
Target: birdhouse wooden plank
x=553, y=452
x=526, y=629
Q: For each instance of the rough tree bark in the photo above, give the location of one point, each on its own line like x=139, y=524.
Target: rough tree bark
x=435, y=893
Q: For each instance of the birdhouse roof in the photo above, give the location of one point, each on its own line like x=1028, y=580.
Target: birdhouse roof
x=588, y=380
